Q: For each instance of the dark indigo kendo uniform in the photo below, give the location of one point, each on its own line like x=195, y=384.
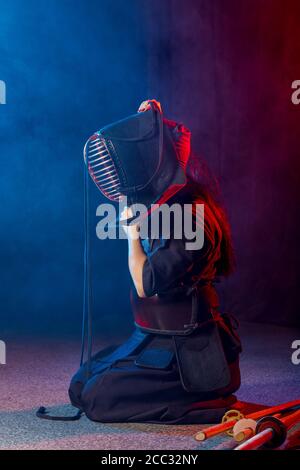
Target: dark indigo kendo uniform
x=181, y=363
x=165, y=378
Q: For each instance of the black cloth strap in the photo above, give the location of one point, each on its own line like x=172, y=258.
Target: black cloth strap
x=43, y=414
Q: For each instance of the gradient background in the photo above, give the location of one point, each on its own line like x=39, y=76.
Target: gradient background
x=224, y=68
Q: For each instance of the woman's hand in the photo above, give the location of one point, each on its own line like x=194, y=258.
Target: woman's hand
x=144, y=106
x=132, y=231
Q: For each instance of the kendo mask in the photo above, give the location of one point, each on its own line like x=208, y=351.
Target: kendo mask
x=142, y=157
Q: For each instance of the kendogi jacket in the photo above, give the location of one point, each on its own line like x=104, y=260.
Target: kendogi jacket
x=178, y=282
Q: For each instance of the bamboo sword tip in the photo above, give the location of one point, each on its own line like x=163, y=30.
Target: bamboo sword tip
x=200, y=436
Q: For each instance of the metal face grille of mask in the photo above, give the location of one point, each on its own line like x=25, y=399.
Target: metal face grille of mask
x=101, y=167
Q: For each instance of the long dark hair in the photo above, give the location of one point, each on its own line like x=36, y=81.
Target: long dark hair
x=203, y=185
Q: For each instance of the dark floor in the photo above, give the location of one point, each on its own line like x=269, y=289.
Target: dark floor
x=38, y=372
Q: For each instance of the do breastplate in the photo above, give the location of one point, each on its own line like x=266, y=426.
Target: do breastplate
x=175, y=313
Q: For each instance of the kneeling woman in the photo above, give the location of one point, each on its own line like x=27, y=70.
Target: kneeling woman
x=181, y=364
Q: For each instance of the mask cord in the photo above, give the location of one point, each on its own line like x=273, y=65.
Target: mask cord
x=86, y=308
x=87, y=284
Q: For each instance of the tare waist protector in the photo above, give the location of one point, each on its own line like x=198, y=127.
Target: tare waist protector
x=201, y=337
